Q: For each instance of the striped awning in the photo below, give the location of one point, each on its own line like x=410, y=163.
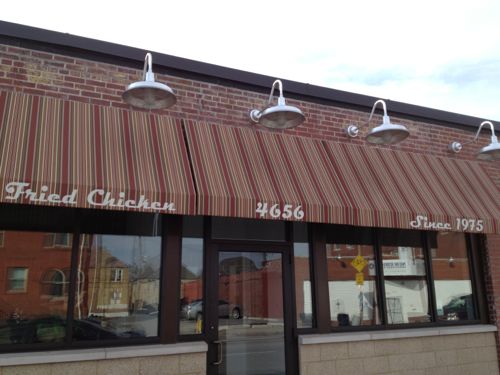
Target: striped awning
x=242, y=172
x=57, y=152
x=64, y=153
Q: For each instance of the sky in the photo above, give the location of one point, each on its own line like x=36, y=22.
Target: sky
x=443, y=54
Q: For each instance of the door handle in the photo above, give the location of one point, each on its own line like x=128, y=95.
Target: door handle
x=219, y=353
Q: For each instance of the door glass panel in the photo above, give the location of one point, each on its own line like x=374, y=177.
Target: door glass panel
x=250, y=310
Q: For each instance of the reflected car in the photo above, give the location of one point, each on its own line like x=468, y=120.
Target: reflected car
x=92, y=329
x=459, y=308
x=43, y=329
x=194, y=310
x=148, y=309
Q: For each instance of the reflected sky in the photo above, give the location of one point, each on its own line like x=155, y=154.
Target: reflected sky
x=131, y=249
x=192, y=255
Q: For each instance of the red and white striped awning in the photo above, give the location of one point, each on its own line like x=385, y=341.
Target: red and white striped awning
x=64, y=153
x=253, y=174
x=83, y=155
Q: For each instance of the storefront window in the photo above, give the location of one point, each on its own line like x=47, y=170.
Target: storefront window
x=407, y=299
x=118, y=277
x=34, y=299
x=452, y=283
x=352, y=278
x=191, y=293
x=119, y=287
x=303, y=286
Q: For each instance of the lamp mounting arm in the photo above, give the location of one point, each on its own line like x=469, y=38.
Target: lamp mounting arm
x=457, y=146
x=384, y=107
x=147, y=71
x=281, y=99
x=353, y=130
x=493, y=136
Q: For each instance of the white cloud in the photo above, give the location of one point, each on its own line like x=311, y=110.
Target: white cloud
x=442, y=54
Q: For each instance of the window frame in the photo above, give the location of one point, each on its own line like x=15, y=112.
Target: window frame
x=10, y=279
x=322, y=298
x=64, y=283
x=170, y=237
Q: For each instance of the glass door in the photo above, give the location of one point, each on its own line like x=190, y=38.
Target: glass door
x=249, y=321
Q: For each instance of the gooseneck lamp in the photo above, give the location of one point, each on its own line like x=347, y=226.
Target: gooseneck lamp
x=148, y=94
x=280, y=116
x=490, y=152
x=386, y=133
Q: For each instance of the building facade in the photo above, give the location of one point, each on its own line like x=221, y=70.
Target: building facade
x=190, y=240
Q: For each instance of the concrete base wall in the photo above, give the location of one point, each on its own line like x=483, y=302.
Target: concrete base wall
x=449, y=354
x=185, y=364
x=165, y=359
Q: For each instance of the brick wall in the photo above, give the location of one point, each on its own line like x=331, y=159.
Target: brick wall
x=492, y=277
x=42, y=73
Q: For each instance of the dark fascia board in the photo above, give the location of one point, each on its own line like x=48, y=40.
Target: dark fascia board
x=130, y=56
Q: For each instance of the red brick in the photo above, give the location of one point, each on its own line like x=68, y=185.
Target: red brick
x=74, y=79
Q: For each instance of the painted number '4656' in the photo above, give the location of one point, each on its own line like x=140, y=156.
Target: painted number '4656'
x=276, y=211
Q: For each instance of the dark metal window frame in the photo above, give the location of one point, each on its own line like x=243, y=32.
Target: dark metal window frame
x=169, y=277
x=322, y=297
x=170, y=273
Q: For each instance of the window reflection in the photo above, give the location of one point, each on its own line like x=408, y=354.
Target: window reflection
x=352, y=276
x=352, y=285
x=302, y=265
x=118, y=287
x=191, y=303
x=191, y=293
x=55, y=283
x=33, y=288
x=450, y=269
x=406, y=291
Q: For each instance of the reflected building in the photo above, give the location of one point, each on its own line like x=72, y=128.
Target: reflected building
x=34, y=274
